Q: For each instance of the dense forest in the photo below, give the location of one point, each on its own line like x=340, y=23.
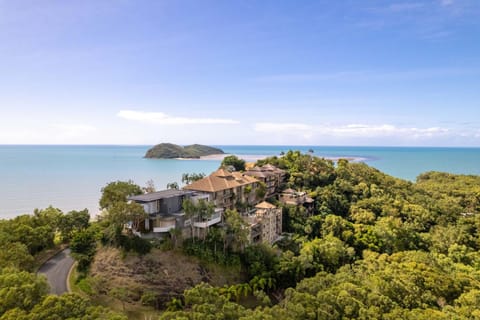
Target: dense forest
x=375, y=247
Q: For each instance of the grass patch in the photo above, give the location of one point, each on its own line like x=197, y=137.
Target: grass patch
x=133, y=311
x=73, y=283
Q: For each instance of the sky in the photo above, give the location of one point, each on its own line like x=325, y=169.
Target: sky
x=240, y=72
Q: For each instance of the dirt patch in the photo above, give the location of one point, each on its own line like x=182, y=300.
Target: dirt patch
x=165, y=274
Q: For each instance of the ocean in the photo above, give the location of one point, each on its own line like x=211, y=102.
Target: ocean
x=71, y=177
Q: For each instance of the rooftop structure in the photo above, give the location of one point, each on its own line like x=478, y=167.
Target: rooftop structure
x=226, y=188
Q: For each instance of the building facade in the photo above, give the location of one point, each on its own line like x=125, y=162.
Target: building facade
x=165, y=212
x=265, y=223
x=227, y=189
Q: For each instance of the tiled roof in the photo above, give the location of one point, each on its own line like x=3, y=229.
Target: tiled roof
x=265, y=205
x=264, y=171
x=221, y=180
x=269, y=167
x=289, y=191
x=258, y=174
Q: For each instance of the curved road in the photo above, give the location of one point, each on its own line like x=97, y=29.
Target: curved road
x=56, y=270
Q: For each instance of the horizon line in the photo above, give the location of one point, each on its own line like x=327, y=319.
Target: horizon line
x=234, y=145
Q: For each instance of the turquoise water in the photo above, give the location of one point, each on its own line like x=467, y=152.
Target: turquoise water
x=71, y=177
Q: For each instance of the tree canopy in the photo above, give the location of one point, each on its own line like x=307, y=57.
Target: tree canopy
x=234, y=161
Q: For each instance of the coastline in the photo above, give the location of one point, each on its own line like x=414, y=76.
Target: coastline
x=44, y=172
x=256, y=157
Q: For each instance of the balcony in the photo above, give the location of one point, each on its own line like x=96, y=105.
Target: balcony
x=164, y=224
x=214, y=219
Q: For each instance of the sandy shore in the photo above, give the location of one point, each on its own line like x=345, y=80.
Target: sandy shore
x=256, y=157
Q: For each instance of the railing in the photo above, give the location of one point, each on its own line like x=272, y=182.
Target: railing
x=164, y=225
x=214, y=219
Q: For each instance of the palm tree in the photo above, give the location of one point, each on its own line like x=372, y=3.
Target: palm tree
x=205, y=211
x=190, y=213
x=175, y=234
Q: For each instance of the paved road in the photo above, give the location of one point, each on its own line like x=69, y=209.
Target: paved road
x=56, y=270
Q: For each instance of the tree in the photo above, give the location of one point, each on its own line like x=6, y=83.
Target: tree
x=237, y=232
x=234, y=161
x=175, y=235
x=173, y=185
x=71, y=306
x=72, y=221
x=20, y=289
x=120, y=293
x=15, y=254
x=149, y=187
x=83, y=247
x=200, y=211
x=190, y=214
x=261, y=190
x=188, y=178
x=123, y=213
x=118, y=191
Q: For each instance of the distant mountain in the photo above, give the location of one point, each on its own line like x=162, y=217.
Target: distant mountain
x=171, y=151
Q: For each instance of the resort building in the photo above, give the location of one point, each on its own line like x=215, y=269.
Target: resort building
x=265, y=223
x=296, y=198
x=165, y=213
x=271, y=176
x=227, y=189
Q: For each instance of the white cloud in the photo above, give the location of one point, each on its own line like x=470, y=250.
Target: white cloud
x=351, y=130
x=164, y=119
x=359, y=130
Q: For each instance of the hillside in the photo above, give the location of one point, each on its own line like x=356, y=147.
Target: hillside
x=166, y=274
x=172, y=151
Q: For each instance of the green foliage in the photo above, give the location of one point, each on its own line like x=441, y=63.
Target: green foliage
x=72, y=221
x=20, y=289
x=375, y=247
x=149, y=298
x=173, y=185
x=135, y=244
x=117, y=192
x=171, y=151
x=234, y=161
x=66, y=306
x=36, y=232
x=210, y=251
x=261, y=191
x=83, y=247
x=236, y=230
x=16, y=255
x=259, y=259
x=188, y=178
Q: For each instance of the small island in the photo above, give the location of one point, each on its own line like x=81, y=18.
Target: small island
x=173, y=151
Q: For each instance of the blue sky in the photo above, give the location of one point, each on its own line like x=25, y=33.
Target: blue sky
x=240, y=72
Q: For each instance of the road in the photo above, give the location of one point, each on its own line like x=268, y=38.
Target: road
x=56, y=270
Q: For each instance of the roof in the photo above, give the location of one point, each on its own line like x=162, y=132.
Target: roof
x=289, y=191
x=222, y=173
x=309, y=200
x=257, y=173
x=221, y=180
x=269, y=167
x=164, y=194
x=265, y=205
